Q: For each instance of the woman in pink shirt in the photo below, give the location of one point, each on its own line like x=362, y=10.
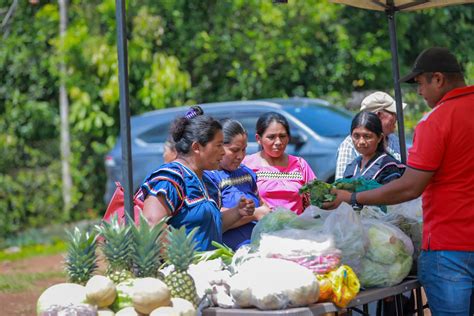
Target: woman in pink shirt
x=279, y=175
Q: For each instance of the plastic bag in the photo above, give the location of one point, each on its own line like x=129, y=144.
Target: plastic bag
x=345, y=285
x=282, y=218
x=411, y=209
x=412, y=228
x=273, y=284
x=389, y=256
x=372, y=211
x=349, y=234
x=315, y=213
x=356, y=184
x=308, y=248
x=386, y=241
x=325, y=288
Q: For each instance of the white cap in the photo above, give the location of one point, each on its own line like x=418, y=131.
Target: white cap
x=378, y=101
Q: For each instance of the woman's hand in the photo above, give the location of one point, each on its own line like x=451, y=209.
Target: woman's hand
x=261, y=211
x=246, y=207
x=341, y=196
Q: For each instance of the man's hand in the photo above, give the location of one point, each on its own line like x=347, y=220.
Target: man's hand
x=246, y=207
x=341, y=196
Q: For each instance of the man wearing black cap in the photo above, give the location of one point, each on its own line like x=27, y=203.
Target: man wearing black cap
x=441, y=167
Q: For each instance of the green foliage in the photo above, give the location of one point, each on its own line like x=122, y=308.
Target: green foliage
x=146, y=247
x=81, y=259
x=33, y=251
x=181, y=52
x=318, y=191
x=220, y=251
x=29, y=197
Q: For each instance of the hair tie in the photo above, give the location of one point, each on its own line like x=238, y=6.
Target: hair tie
x=193, y=112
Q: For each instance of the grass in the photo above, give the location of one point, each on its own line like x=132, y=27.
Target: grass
x=18, y=282
x=33, y=250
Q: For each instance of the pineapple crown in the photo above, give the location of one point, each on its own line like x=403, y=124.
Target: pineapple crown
x=181, y=248
x=146, y=247
x=81, y=259
x=117, y=243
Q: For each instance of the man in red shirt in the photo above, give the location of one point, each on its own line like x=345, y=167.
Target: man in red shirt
x=441, y=167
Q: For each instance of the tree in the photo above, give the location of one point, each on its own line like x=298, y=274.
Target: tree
x=64, y=114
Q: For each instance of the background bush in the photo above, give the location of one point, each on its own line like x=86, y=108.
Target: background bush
x=181, y=52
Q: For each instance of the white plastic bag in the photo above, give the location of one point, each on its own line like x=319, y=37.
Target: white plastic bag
x=282, y=218
x=273, y=284
x=310, y=249
x=411, y=209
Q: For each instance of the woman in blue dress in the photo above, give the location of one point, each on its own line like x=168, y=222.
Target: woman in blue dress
x=181, y=190
x=236, y=181
x=374, y=162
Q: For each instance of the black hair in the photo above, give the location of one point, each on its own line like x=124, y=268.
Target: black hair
x=199, y=128
x=267, y=118
x=371, y=122
x=232, y=128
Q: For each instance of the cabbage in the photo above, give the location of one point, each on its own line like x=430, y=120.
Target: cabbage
x=374, y=274
x=384, y=246
x=389, y=256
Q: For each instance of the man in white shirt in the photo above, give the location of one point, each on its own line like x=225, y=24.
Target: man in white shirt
x=384, y=106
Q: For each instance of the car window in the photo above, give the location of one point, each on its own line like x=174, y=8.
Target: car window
x=325, y=121
x=249, y=122
x=157, y=134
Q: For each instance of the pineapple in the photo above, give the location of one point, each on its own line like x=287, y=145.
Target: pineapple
x=146, y=248
x=81, y=259
x=116, y=249
x=180, y=253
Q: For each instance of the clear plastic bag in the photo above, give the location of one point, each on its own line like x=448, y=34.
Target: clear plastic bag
x=412, y=228
x=411, y=209
x=349, y=235
x=389, y=256
x=308, y=248
x=282, y=218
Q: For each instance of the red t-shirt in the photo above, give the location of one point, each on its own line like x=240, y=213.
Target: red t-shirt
x=444, y=143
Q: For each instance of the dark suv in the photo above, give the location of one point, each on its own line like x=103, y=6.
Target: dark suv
x=317, y=129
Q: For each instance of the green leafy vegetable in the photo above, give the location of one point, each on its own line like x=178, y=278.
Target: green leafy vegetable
x=221, y=251
x=319, y=192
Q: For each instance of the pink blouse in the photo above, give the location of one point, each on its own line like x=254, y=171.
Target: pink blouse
x=278, y=185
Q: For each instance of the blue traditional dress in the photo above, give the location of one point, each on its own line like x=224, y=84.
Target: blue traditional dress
x=234, y=185
x=193, y=203
x=382, y=168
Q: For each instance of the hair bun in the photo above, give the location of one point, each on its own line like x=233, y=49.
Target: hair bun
x=194, y=111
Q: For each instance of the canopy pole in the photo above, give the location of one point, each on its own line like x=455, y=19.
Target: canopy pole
x=127, y=183
x=396, y=77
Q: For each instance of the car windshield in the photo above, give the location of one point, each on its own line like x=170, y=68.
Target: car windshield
x=325, y=121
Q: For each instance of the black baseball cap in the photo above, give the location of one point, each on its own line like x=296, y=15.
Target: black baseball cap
x=434, y=59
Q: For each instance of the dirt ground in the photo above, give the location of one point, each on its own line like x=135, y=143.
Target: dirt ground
x=24, y=302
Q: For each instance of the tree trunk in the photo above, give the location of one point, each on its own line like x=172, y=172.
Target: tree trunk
x=64, y=113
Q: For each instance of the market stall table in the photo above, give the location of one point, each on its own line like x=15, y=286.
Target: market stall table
x=362, y=299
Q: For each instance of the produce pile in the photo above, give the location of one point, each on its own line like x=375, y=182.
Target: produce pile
x=133, y=283
x=319, y=192
x=376, y=249
x=292, y=261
